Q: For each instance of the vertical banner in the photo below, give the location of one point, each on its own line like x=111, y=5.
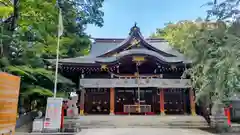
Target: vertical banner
x=9, y=92
x=52, y=120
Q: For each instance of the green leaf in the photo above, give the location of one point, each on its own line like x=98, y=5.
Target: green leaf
x=38, y=91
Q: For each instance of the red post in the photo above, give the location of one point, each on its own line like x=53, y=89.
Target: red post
x=62, y=117
x=162, y=110
x=229, y=116
x=112, y=101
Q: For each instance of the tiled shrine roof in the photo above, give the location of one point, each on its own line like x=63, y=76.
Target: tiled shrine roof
x=112, y=49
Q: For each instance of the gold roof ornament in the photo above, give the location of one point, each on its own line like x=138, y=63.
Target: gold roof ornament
x=135, y=42
x=135, y=26
x=138, y=58
x=104, y=67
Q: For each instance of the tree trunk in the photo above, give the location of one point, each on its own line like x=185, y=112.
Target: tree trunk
x=15, y=15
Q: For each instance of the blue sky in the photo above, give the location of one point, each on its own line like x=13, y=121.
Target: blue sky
x=120, y=15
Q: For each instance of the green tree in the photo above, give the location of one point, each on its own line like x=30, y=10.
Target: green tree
x=213, y=47
x=226, y=10
x=33, y=38
x=215, y=70
x=6, y=8
x=178, y=33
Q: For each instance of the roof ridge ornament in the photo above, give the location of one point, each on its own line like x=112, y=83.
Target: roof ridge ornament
x=135, y=24
x=134, y=29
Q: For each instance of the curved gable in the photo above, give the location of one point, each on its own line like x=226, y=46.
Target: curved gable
x=135, y=40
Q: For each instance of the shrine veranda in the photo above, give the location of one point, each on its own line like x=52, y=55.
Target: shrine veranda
x=119, y=72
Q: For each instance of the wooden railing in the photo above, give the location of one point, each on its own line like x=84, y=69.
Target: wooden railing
x=137, y=108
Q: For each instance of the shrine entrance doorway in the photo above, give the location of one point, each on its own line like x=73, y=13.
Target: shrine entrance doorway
x=176, y=101
x=129, y=96
x=97, y=101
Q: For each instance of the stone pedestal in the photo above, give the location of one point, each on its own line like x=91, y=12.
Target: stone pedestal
x=72, y=112
x=37, y=125
x=218, y=119
x=71, y=127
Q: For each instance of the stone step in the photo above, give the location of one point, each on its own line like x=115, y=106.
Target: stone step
x=178, y=121
x=33, y=133
x=235, y=127
x=144, y=124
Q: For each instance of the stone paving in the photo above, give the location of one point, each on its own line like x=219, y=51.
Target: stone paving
x=126, y=125
x=106, y=121
x=143, y=131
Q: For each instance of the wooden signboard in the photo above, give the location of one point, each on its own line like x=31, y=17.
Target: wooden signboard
x=9, y=92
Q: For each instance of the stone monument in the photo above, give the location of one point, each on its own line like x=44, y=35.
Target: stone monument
x=72, y=113
x=218, y=118
x=72, y=106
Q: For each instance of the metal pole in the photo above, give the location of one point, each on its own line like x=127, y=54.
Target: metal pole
x=57, y=59
x=56, y=69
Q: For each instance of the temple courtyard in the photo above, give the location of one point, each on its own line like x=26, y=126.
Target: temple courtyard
x=134, y=125
x=138, y=131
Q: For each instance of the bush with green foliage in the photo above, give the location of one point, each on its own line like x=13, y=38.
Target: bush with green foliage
x=28, y=35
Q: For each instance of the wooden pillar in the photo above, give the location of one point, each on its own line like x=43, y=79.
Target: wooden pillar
x=82, y=100
x=192, y=101
x=184, y=102
x=162, y=110
x=112, y=101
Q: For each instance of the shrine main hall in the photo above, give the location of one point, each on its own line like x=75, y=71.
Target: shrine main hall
x=135, y=75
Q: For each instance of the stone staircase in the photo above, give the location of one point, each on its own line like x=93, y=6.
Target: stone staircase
x=131, y=121
x=235, y=128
